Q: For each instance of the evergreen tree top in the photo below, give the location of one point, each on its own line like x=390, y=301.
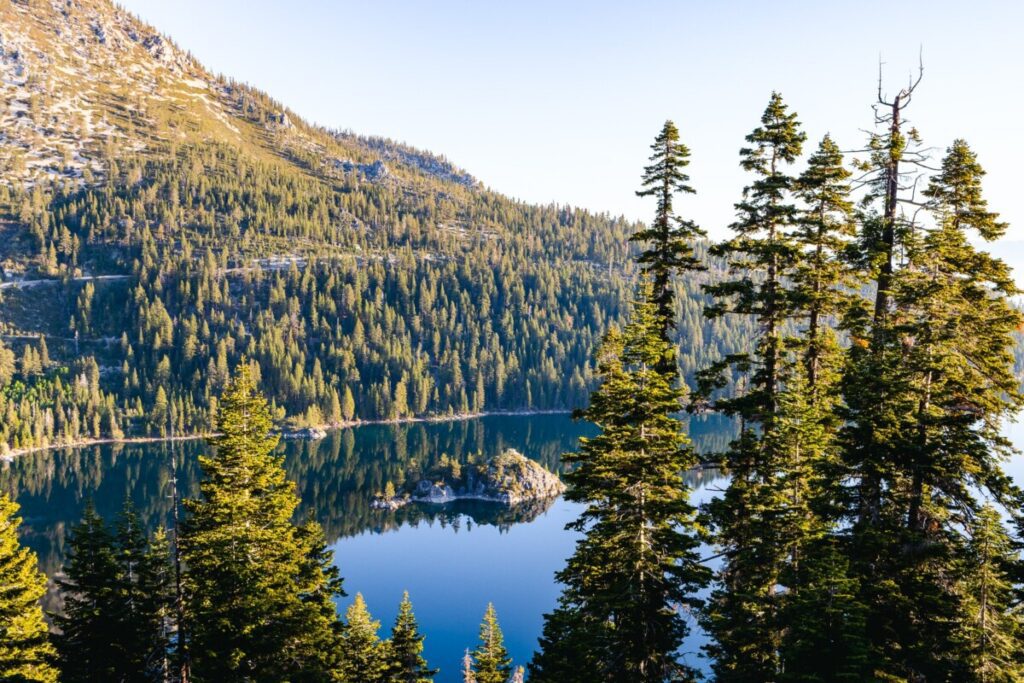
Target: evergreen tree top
x=244, y=413
x=407, y=664
x=492, y=663
x=669, y=156
x=956, y=193
x=777, y=139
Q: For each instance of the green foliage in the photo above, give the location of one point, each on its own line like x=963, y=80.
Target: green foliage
x=117, y=602
x=637, y=562
x=87, y=638
x=383, y=298
x=405, y=649
x=491, y=663
x=359, y=300
x=669, y=239
x=48, y=405
x=364, y=657
x=992, y=625
x=821, y=280
x=761, y=244
x=25, y=650
x=822, y=636
x=855, y=487
x=367, y=280
x=258, y=586
x=763, y=519
x=926, y=399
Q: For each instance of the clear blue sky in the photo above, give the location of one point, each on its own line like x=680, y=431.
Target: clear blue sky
x=550, y=101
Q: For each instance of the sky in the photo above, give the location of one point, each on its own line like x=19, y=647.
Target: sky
x=559, y=101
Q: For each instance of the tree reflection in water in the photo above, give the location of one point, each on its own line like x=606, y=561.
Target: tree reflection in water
x=336, y=476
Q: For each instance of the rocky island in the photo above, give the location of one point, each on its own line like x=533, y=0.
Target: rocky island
x=509, y=478
x=308, y=433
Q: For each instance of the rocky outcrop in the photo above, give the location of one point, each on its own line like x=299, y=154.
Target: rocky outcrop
x=309, y=433
x=394, y=503
x=373, y=172
x=509, y=478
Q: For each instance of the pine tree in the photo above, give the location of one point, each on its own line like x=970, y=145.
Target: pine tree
x=872, y=381
x=926, y=397
x=25, y=651
x=954, y=322
x=319, y=584
x=820, y=620
x=348, y=405
x=467, y=668
x=821, y=617
x=992, y=626
x=116, y=602
x=256, y=583
x=669, y=239
x=364, y=657
x=85, y=646
x=142, y=600
x=762, y=246
x=569, y=649
x=405, y=649
x=491, y=661
x=637, y=567
x=752, y=519
x=742, y=612
x=823, y=235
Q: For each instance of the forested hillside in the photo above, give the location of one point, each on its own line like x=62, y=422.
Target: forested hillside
x=158, y=223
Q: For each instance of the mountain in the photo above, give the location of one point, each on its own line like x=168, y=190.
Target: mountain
x=159, y=223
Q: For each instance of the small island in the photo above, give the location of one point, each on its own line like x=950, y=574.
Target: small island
x=307, y=433
x=509, y=478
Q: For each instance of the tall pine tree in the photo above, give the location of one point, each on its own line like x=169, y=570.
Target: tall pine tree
x=822, y=278
x=637, y=567
x=668, y=239
x=257, y=585
x=992, y=624
x=88, y=632
x=753, y=516
x=926, y=393
x=117, y=602
x=25, y=650
x=143, y=599
x=762, y=253
x=820, y=621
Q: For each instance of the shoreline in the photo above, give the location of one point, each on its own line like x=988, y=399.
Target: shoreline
x=10, y=455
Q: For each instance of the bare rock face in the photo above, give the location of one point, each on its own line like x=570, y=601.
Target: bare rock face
x=512, y=478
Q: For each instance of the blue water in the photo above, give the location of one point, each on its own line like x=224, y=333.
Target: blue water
x=453, y=571
x=453, y=560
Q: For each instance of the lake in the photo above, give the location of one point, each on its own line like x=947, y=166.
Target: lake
x=452, y=559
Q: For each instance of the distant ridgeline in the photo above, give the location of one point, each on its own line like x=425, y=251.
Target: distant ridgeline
x=177, y=222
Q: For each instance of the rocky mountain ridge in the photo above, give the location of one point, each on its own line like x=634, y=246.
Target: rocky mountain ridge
x=84, y=80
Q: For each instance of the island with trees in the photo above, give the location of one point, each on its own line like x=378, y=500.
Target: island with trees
x=509, y=478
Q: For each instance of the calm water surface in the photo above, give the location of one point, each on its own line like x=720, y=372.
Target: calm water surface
x=453, y=560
